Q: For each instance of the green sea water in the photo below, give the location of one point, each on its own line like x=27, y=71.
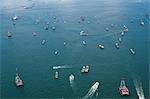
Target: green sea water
x=108, y=66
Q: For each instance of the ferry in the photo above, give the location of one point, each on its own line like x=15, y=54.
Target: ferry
x=43, y=42
x=85, y=69
x=18, y=80
x=132, y=51
x=9, y=34
x=83, y=33
x=101, y=46
x=56, y=75
x=117, y=45
x=123, y=90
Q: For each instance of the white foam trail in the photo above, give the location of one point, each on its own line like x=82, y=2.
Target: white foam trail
x=72, y=83
x=62, y=66
x=91, y=91
x=139, y=89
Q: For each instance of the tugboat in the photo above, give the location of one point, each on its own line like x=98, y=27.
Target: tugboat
x=117, y=45
x=123, y=90
x=101, y=46
x=56, y=75
x=9, y=34
x=43, y=42
x=83, y=33
x=132, y=51
x=18, y=80
x=85, y=69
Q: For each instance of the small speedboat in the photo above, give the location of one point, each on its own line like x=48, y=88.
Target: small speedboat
x=43, y=42
x=117, y=45
x=101, y=46
x=85, y=69
x=15, y=18
x=18, y=80
x=53, y=28
x=56, y=52
x=83, y=42
x=142, y=23
x=83, y=33
x=120, y=39
x=9, y=34
x=123, y=90
x=56, y=75
x=122, y=33
x=46, y=27
x=71, y=77
x=132, y=51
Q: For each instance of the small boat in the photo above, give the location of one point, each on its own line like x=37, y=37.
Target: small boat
x=43, y=42
x=126, y=30
x=85, y=69
x=56, y=52
x=117, y=45
x=123, y=90
x=132, y=51
x=18, y=80
x=64, y=43
x=120, y=39
x=15, y=18
x=83, y=33
x=34, y=34
x=122, y=33
x=83, y=42
x=107, y=29
x=101, y=46
x=56, y=75
x=46, y=27
x=53, y=28
x=124, y=26
x=82, y=18
x=71, y=77
x=142, y=23
x=9, y=34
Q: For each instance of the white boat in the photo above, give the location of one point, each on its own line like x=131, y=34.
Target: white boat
x=53, y=28
x=83, y=42
x=120, y=39
x=56, y=75
x=71, y=77
x=9, y=34
x=124, y=26
x=56, y=52
x=85, y=69
x=117, y=45
x=43, y=42
x=83, y=33
x=101, y=46
x=64, y=43
x=142, y=23
x=122, y=33
x=15, y=18
x=18, y=80
x=132, y=51
x=123, y=90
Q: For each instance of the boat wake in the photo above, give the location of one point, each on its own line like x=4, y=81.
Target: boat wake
x=139, y=89
x=62, y=66
x=73, y=84
x=92, y=91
